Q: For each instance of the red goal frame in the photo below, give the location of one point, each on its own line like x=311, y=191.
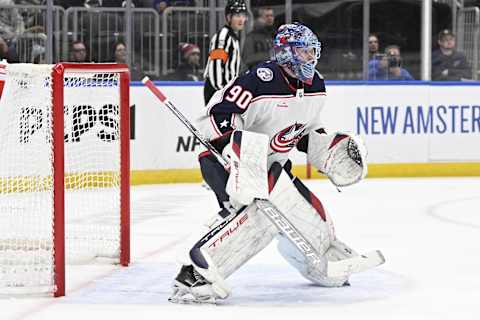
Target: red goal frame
x=58, y=72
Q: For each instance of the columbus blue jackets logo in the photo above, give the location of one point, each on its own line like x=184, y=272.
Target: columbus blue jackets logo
x=265, y=74
x=286, y=139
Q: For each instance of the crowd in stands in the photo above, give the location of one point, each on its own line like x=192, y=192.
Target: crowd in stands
x=448, y=64
x=385, y=60
x=102, y=3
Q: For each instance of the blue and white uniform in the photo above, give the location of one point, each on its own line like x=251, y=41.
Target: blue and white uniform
x=266, y=100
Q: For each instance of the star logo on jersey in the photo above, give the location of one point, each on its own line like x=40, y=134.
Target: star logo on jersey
x=286, y=139
x=224, y=124
x=265, y=74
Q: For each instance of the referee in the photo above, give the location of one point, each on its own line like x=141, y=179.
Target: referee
x=224, y=57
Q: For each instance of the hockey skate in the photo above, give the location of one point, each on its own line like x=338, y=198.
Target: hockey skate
x=190, y=287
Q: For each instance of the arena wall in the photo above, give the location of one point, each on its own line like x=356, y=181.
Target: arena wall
x=410, y=129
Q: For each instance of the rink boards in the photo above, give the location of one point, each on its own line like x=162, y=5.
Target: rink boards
x=410, y=129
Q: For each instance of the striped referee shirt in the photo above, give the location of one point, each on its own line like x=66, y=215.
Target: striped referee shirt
x=224, y=58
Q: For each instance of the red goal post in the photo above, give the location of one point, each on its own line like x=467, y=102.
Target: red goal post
x=65, y=165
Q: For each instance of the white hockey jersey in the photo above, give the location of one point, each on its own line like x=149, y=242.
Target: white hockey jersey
x=266, y=100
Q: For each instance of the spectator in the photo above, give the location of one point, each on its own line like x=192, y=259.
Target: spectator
x=189, y=68
x=78, y=52
x=120, y=52
x=374, y=55
x=373, y=46
x=161, y=5
x=258, y=43
x=8, y=52
x=120, y=56
x=5, y=51
x=448, y=64
x=388, y=66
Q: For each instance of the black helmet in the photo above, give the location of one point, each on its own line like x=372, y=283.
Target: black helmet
x=235, y=7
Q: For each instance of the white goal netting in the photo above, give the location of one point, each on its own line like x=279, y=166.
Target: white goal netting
x=91, y=175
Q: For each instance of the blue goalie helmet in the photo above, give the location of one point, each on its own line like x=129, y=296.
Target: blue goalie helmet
x=297, y=48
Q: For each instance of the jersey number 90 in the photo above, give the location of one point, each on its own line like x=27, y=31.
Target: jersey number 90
x=239, y=96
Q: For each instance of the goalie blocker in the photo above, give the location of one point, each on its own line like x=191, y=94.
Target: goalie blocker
x=237, y=235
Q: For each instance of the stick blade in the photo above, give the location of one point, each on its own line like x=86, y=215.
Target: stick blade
x=357, y=264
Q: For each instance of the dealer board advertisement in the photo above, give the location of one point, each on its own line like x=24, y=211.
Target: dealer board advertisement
x=400, y=123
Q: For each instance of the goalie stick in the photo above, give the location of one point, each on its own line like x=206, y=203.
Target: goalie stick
x=333, y=268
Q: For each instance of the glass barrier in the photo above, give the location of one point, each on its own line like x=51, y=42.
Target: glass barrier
x=257, y=44
x=455, y=55
x=397, y=53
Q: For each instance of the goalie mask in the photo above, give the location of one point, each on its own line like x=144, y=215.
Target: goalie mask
x=297, y=48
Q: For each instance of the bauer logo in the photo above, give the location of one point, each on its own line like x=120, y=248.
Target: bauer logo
x=81, y=121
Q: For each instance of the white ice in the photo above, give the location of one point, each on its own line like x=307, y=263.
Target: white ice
x=428, y=230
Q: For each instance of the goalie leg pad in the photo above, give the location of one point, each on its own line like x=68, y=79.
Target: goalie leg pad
x=308, y=271
x=248, y=166
x=231, y=243
x=306, y=212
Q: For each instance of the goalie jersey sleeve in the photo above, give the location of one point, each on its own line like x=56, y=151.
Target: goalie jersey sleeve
x=265, y=100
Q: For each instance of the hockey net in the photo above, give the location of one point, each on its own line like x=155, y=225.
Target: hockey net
x=64, y=172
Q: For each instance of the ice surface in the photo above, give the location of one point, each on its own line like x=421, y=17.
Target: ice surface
x=428, y=229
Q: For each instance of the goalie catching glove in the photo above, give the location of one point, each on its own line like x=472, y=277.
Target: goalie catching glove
x=340, y=156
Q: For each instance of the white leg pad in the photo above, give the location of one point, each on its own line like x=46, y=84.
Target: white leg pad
x=306, y=219
x=312, y=222
x=231, y=243
x=248, y=166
